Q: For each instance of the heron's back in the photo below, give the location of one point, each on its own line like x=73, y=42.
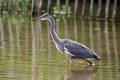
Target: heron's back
x=79, y=50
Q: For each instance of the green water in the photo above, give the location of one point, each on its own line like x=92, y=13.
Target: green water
x=27, y=51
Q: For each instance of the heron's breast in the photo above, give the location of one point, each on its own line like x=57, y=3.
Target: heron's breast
x=58, y=48
x=67, y=53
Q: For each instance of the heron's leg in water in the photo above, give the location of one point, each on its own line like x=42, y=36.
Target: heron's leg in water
x=70, y=60
x=88, y=61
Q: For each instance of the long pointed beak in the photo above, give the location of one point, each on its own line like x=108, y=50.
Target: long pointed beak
x=33, y=19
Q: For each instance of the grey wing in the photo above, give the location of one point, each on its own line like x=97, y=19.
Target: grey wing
x=78, y=50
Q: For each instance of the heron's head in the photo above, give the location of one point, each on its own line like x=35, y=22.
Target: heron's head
x=43, y=17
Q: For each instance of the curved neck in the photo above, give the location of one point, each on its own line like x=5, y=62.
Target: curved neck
x=53, y=33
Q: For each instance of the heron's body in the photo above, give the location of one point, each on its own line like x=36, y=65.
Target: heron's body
x=79, y=50
x=70, y=48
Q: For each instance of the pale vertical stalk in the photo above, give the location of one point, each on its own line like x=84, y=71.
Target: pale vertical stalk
x=1, y=4
x=18, y=6
x=3, y=50
x=34, y=54
x=26, y=7
x=41, y=40
x=49, y=44
x=115, y=48
x=91, y=8
x=48, y=6
x=27, y=2
x=32, y=6
x=109, y=59
x=99, y=8
x=66, y=6
x=27, y=48
x=42, y=52
x=99, y=46
x=9, y=5
x=107, y=8
x=37, y=29
x=58, y=6
x=91, y=34
x=19, y=49
x=83, y=8
x=50, y=54
x=40, y=5
x=99, y=37
x=75, y=30
x=83, y=33
x=66, y=28
x=114, y=9
x=75, y=7
x=12, y=48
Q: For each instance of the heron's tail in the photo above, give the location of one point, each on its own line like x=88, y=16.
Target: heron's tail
x=97, y=57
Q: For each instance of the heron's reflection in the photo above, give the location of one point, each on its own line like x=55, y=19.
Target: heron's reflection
x=79, y=73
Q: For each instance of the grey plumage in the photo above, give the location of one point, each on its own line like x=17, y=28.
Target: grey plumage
x=79, y=50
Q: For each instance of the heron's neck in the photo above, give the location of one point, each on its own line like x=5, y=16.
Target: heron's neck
x=53, y=33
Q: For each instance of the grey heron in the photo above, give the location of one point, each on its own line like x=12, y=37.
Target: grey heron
x=70, y=48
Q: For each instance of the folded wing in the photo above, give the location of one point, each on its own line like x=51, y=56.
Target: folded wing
x=78, y=50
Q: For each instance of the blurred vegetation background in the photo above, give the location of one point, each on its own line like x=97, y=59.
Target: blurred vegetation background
x=95, y=9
